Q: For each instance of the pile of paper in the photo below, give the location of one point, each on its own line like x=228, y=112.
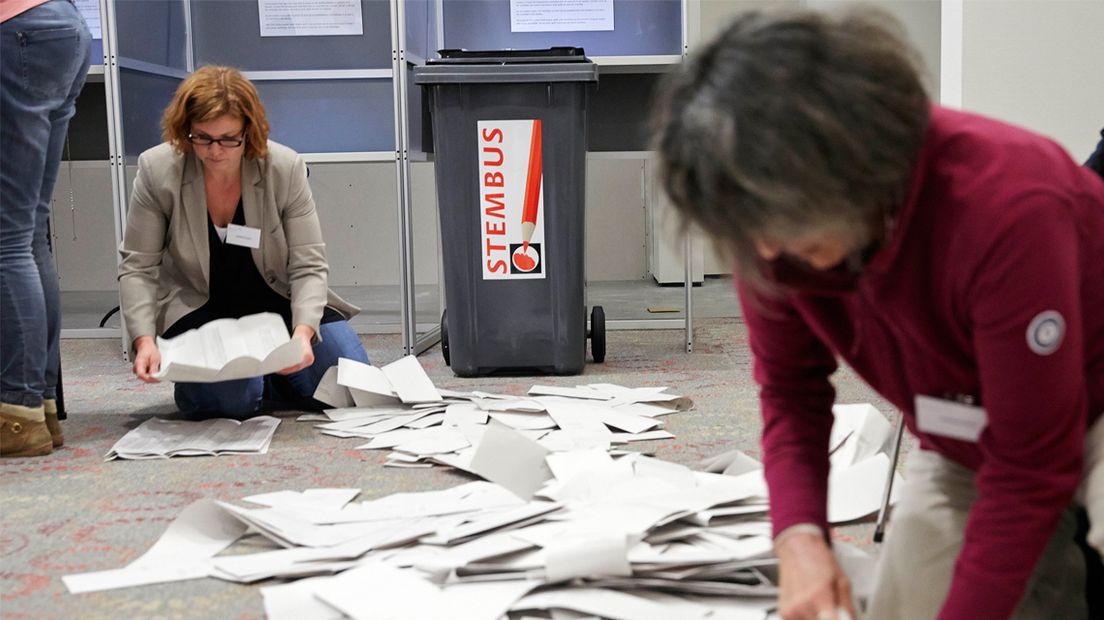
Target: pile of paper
x=400, y=409
x=567, y=534
x=160, y=439
x=252, y=346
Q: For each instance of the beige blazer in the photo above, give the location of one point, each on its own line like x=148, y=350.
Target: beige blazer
x=165, y=255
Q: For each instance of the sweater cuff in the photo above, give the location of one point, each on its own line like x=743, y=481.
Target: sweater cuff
x=799, y=528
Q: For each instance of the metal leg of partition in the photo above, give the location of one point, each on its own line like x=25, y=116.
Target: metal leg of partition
x=879, y=529
x=689, y=283
x=427, y=340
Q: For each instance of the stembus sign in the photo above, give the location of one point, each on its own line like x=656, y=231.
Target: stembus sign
x=511, y=209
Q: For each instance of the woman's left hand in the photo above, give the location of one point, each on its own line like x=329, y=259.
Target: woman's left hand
x=304, y=334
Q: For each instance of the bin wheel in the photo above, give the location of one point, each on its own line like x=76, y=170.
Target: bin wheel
x=598, y=334
x=444, y=337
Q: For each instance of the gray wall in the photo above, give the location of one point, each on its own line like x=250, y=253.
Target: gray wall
x=1037, y=64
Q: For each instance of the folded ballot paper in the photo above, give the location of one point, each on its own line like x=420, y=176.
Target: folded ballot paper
x=398, y=408
x=573, y=534
x=226, y=349
x=161, y=439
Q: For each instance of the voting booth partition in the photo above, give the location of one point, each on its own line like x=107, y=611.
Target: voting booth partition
x=509, y=131
x=341, y=94
x=329, y=92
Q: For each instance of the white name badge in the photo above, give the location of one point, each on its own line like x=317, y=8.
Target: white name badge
x=245, y=236
x=947, y=418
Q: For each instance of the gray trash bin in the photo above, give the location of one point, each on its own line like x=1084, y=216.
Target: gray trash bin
x=509, y=137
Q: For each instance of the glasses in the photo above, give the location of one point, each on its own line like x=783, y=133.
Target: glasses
x=226, y=143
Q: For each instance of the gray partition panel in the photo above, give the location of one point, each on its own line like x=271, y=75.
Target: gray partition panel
x=641, y=28
x=87, y=138
x=152, y=31
x=330, y=116
x=229, y=33
x=618, y=111
x=421, y=27
x=144, y=98
x=418, y=116
x=96, y=57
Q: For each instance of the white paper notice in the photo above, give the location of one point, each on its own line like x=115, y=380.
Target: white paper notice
x=560, y=15
x=310, y=18
x=90, y=10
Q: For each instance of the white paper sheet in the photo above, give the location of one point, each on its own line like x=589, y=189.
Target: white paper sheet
x=464, y=413
x=587, y=554
x=855, y=492
x=182, y=552
x=410, y=381
x=310, y=18
x=626, y=421
x=567, y=465
x=398, y=594
x=157, y=438
x=332, y=393
x=507, y=458
x=576, y=392
x=372, y=385
x=580, y=420
x=296, y=601
x=860, y=431
x=600, y=602
x=227, y=349
x=559, y=16
x=524, y=421
x=308, y=500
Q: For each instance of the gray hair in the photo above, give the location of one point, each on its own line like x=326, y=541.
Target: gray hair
x=792, y=121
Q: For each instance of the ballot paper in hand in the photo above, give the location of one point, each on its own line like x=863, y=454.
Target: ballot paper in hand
x=161, y=439
x=226, y=349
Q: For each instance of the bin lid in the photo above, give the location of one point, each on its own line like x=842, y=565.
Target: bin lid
x=556, y=64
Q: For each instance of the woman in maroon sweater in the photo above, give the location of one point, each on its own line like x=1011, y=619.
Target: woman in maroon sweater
x=955, y=262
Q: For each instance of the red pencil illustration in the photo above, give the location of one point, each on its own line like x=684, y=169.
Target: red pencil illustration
x=532, y=188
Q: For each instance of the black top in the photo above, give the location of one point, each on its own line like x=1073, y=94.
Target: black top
x=237, y=288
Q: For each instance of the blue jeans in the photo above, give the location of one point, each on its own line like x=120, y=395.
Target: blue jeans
x=44, y=55
x=245, y=396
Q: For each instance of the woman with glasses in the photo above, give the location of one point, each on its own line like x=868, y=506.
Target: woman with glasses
x=222, y=225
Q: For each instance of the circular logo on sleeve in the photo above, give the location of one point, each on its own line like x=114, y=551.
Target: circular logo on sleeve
x=1044, y=334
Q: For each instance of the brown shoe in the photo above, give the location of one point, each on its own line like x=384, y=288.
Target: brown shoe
x=49, y=405
x=23, y=431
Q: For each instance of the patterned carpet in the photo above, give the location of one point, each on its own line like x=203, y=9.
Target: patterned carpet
x=72, y=512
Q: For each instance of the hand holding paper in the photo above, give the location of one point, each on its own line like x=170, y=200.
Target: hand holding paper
x=303, y=335
x=147, y=359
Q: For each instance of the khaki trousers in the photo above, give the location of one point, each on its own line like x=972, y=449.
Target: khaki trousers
x=1091, y=494
x=925, y=535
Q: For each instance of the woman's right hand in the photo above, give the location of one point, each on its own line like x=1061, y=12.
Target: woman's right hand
x=812, y=584
x=147, y=359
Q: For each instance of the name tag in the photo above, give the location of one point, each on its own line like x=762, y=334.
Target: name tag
x=245, y=236
x=947, y=418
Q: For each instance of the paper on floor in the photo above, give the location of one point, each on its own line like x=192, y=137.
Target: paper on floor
x=157, y=438
x=505, y=457
x=183, y=552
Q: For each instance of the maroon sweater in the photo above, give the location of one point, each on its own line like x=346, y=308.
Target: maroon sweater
x=999, y=226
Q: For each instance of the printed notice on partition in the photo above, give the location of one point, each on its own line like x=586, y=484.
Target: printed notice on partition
x=90, y=10
x=310, y=18
x=511, y=200
x=560, y=15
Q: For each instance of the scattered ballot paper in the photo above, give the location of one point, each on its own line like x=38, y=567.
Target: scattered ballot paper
x=397, y=407
x=227, y=349
x=562, y=534
x=162, y=439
